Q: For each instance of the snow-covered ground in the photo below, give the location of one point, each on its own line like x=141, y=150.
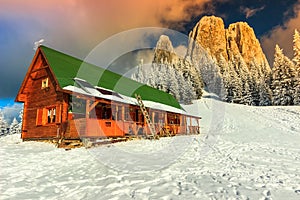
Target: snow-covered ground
x=242, y=153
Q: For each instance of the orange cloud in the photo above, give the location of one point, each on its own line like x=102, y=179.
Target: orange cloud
x=80, y=23
x=283, y=36
x=109, y=13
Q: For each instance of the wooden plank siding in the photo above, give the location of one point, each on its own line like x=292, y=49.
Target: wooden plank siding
x=39, y=99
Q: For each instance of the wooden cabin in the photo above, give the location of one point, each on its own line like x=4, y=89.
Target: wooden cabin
x=67, y=98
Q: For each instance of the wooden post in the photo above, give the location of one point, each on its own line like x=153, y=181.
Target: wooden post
x=153, y=117
x=166, y=118
x=116, y=113
x=184, y=123
x=24, y=121
x=198, y=124
x=90, y=108
x=180, y=123
x=87, y=115
x=123, y=113
x=65, y=109
x=87, y=110
x=191, y=125
x=153, y=120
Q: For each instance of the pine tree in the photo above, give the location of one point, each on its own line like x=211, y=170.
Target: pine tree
x=232, y=85
x=151, y=77
x=186, y=91
x=297, y=95
x=296, y=59
x=265, y=93
x=21, y=121
x=254, y=81
x=222, y=64
x=296, y=48
x=243, y=74
x=209, y=71
x=236, y=82
x=227, y=94
x=4, y=128
x=247, y=96
x=14, y=127
x=283, y=75
x=195, y=77
x=173, y=83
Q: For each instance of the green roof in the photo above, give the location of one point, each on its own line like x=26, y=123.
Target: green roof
x=66, y=68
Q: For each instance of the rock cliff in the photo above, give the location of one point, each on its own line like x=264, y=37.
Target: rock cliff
x=238, y=39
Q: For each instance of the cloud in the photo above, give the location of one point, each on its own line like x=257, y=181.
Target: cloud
x=250, y=12
x=282, y=35
x=11, y=111
x=75, y=27
x=98, y=19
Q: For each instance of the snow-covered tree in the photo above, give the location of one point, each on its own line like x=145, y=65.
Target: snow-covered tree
x=190, y=70
x=14, y=127
x=4, y=127
x=173, y=84
x=264, y=93
x=247, y=87
x=223, y=64
x=296, y=48
x=254, y=81
x=296, y=59
x=232, y=85
x=173, y=78
x=211, y=74
x=247, y=96
x=21, y=121
x=297, y=95
x=283, y=75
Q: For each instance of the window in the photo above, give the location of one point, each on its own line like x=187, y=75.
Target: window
x=108, y=124
x=127, y=115
x=45, y=83
x=119, y=113
x=51, y=115
x=106, y=112
x=48, y=115
x=155, y=120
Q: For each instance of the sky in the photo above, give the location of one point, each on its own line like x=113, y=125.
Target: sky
x=77, y=26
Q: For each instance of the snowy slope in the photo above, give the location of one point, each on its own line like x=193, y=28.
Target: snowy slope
x=243, y=152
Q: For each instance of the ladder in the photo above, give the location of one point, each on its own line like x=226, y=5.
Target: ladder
x=146, y=115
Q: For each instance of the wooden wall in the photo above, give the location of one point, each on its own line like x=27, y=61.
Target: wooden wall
x=38, y=98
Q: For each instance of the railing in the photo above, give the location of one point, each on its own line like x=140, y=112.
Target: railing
x=111, y=128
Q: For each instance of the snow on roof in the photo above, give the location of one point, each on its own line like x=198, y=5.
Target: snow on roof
x=95, y=93
x=125, y=99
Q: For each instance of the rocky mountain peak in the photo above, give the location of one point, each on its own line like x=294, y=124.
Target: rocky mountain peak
x=209, y=32
x=164, y=51
x=241, y=40
x=238, y=39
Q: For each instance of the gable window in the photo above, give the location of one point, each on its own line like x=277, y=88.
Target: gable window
x=51, y=114
x=45, y=83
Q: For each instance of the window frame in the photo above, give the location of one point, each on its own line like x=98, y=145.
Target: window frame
x=54, y=116
x=45, y=83
x=42, y=116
